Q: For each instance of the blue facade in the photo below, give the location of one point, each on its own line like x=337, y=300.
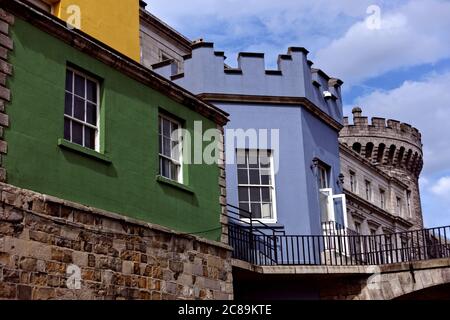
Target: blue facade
x=303, y=103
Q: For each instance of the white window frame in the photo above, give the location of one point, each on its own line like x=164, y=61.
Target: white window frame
x=328, y=192
x=178, y=162
x=272, y=187
x=84, y=123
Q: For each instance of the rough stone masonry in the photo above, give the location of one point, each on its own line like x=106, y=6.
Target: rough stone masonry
x=118, y=257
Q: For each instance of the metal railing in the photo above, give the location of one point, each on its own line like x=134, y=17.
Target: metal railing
x=260, y=244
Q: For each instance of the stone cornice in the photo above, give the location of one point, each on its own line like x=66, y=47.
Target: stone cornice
x=98, y=50
x=277, y=100
x=357, y=199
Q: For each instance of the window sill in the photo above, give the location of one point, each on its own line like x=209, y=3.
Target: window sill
x=174, y=184
x=272, y=222
x=62, y=143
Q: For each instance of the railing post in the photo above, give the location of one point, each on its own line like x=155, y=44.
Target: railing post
x=251, y=239
x=275, y=247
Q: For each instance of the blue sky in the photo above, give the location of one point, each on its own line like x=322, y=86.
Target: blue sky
x=400, y=69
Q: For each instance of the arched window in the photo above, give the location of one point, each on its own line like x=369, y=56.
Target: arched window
x=380, y=155
x=357, y=147
x=401, y=154
x=369, y=150
x=391, y=153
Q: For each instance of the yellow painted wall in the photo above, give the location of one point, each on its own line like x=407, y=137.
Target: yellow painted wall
x=114, y=22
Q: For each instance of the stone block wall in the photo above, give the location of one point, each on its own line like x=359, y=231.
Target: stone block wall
x=6, y=70
x=118, y=257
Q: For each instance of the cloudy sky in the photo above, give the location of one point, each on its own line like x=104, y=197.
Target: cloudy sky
x=396, y=67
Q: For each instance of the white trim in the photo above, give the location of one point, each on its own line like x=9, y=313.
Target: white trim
x=177, y=162
x=272, y=186
x=85, y=99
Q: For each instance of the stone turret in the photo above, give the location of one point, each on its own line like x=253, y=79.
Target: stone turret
x=392, y=146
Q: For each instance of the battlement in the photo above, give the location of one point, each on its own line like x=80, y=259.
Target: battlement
x=388, y=144
x=380, y=127
x=205, y=71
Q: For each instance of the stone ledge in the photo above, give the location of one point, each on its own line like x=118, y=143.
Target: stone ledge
x=45, y=205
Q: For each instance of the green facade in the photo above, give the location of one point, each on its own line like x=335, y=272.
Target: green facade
x=128, y=184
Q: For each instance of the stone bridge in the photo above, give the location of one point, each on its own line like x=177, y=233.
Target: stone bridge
x=427, y=279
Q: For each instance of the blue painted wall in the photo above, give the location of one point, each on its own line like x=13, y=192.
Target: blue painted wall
x=303, y=136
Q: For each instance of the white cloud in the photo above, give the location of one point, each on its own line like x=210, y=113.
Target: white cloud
x=413, y=34
x=425, y=104
x=442, y=187
x=236, y=25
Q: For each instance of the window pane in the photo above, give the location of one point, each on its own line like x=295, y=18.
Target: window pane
x=173, y=171
x=166, y=147
x=253, y=159
x=265, y=194
x=174, y=127
x=69, y=81
x=79, y=109
x=242, y=176
x=175, y=150
x=245, y=212
x=67, y=129
x=165, y=168
x=68, y=105
x=91, y=114
x=256, y=210
x=80, y=84
x=91, y=91
x=254, y=176
x=77, y=133
x=255, y=194
x=243, y=194
x=266, y=211
x=241, y=159
x=166, y=128
x=264, y=158
x=265, y=177
x=89, y=138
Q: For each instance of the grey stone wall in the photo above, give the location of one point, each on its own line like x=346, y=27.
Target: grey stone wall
x=393, y=147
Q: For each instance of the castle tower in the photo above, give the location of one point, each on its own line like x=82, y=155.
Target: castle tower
x=395, y=148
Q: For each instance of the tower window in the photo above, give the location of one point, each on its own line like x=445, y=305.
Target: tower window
x=368, y=190
x=353, y=182
x=382, y=199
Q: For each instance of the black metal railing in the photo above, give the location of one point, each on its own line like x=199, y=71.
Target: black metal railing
x=261, y=244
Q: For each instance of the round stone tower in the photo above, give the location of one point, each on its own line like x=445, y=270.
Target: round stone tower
x=393, y=147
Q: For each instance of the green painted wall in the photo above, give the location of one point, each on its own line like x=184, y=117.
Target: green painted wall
x=130, y=126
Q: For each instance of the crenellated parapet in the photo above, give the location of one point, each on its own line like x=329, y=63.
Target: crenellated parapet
x=384, y=142
x=205, y=72
x=381, y=127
